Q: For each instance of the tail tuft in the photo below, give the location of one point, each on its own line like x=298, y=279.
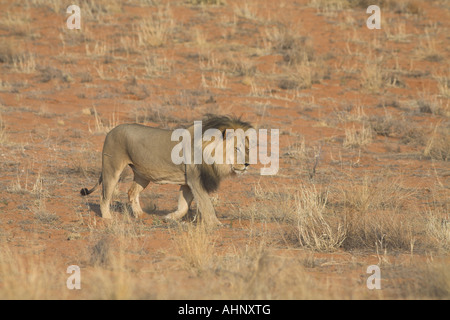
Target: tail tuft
x=84, y=191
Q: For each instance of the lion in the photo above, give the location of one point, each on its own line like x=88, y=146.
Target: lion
x=148, y=150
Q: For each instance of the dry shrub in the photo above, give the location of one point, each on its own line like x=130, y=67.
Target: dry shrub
x=383, y=126
x=19, y=61
x=101, y=125
x=379, y=230
x=306, y=158
x=3, y=134
x=196, y=245
x=433, y=105
x=28, y=276
x=314, y=228
x=84, y=161
x=255, y=273
x=443, y=85
x=374, y=215
x=294, y=48
x=124, y=226
x=271, y=205
x=17, y=24
x=42, y=214
x=302, y=74
x=433, y=281
x=400, y=7
x=428, y=49
x=8, y=52
x=438, y=227
x=155, y=32
x=206, y=2
x=100, y=252
x=110, y=278
x=329, y=7
x=49, y=73
x=372, y=77
x=420, y=281
x=411, y=134
x=355, y=138
x=388, y=126
x=385, y=193
x=303, y=216
x=438, y=146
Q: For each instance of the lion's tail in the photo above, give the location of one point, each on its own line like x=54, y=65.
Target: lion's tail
x=86, y=191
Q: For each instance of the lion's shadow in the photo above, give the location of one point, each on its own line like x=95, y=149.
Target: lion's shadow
x=123, y=208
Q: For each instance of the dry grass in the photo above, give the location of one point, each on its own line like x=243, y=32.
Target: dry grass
x=218, y=80
x=102, y=126
x=438, y=146
x=289, y=42
x=54, y=5
x=43, y=215
x=279, y=205
x=428, y=50
x=252, y=271
x=3, y=132
x=310, y=231
x=366, y=215
x=25, y=63
x=83, y=162
x=22, y=185
x=246, y=10
x=443, y=85
x=438, y=226
x=329, y=8
x=27, y=276
x=375, y=214
x=157, y=66
x=305, y=157
x=302, y=216
x=302, y=74
x=357, y=138
x=375, y=77
x=17, y=24
x=196, y=245
x=314, y=229
x=155, y=32
x=372, y=76
x=207, y=2
x=247, y=273
x=256, y=273
x=18, y=61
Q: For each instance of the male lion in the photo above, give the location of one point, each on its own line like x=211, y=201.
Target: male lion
x=148, y=151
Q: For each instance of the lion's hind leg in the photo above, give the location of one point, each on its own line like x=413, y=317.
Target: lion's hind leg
x=138, y=185
x=184, y=202
x=110, y=175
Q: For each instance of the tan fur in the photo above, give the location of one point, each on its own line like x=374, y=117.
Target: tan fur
x=147, y=151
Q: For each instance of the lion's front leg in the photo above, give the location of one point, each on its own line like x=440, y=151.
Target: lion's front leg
x=184, y=202
x=204, y=204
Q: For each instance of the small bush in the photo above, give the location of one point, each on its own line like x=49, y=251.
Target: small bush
x=438, y=146
x=314, y=229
